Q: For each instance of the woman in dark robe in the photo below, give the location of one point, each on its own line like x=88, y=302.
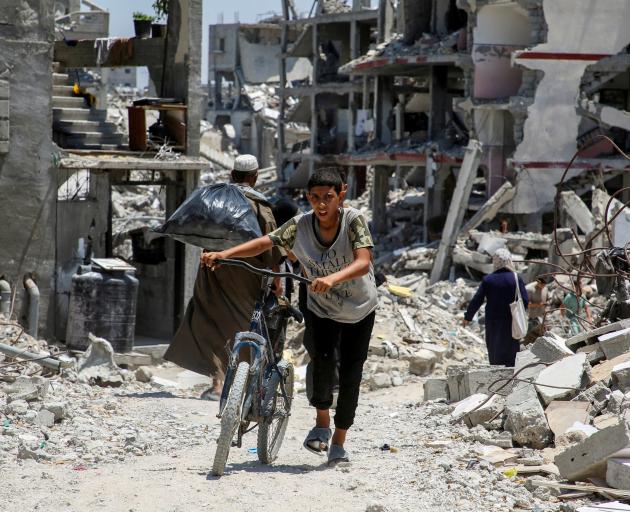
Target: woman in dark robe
x=499, y=291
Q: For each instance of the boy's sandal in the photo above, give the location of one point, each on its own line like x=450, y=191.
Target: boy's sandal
x=317, y=440
x=336, y=454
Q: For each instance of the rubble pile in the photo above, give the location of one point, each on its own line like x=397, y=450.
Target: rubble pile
x=78, y=417
x=567, y=400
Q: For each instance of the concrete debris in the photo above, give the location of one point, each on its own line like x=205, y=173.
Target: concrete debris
x=562, y=415
x=550, y=348
x=27, y=388
x=566, y=375
x=422, y=362
x=621, y=376
x=436, y=389
x=97, y=365
x=589, y=458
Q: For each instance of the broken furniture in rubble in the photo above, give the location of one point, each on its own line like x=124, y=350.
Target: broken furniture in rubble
x=172, y=123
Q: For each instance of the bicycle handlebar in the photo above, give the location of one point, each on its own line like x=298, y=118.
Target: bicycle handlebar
x=262, y=271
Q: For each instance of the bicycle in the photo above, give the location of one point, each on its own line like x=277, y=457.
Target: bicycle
x=259, y=390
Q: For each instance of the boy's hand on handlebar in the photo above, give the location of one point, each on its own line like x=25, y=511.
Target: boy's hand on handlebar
x=209, y=259
x=322, y=284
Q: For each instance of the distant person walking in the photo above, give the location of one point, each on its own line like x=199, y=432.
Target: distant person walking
x=537, y=294
x=575, y=307
x=498, y=290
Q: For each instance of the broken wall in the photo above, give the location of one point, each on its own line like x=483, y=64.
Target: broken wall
x=28, y=183
x=580, y=32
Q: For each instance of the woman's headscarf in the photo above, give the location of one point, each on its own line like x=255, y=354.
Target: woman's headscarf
x=502, y=259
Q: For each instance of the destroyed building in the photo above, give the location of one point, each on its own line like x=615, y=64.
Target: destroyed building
x=334, y=106
x=532, y=81
x=60, y=161
x=244, y=78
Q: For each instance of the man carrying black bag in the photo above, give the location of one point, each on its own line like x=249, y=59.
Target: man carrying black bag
x=223, y=300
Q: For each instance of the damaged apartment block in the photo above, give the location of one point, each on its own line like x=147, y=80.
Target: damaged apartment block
x=532, y=81
x=62, y=163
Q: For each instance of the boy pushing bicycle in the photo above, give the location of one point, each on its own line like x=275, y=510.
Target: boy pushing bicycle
x=333, y=245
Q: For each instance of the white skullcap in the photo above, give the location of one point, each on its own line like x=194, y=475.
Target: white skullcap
x=246, y=163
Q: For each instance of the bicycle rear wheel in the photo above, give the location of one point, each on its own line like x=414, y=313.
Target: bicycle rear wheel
x=275, y=411
x=231, y=418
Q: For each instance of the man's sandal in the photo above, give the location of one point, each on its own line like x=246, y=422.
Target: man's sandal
x=336, y=454
x=317, y=440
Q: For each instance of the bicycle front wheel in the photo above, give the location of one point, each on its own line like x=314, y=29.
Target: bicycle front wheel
x=231, y=418
x=275, y=409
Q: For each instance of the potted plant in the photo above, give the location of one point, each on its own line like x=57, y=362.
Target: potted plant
x=142, y=24
x=161, y=13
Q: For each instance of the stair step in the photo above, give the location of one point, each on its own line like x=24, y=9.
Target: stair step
x=79, y=114
x=95, y=137
x=61, y=79
x=88, y=126
x=96, y=147
x=63, y=90
x=68, y=101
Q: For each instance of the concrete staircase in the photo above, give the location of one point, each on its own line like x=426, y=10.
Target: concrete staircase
x=76, y=125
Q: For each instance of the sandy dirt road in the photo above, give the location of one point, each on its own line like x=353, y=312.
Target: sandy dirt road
x=413, y=477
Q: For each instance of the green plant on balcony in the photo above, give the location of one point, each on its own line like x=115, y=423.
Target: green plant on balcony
x=140, y=16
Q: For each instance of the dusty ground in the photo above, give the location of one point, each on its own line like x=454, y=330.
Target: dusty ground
x=415, y=477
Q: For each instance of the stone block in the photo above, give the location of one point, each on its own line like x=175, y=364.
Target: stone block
x=581, y=339
x=567, y=373
x=550, y=348
x=27, y=388
x=621, y=376
x=435, y=389
x=143, y=374
x=4, y=109
x=602, y=371
x=594, y=353
x=464, y=382
x=4, y=146
x=589, y=458
x=45, y=418
x=615, y=343
x=380, y=381
x=597, y=395
x=58, y=409
x=618, y=473
x=464, y=407
x=422, y=362
x=487, y=412
x=524, y=416
x=4, y=90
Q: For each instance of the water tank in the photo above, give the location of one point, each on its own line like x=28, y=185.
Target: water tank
x=102, y=302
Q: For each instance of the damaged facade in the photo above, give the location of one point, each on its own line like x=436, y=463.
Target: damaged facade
x=244, y=79
x=532, y=81
x=62, y=162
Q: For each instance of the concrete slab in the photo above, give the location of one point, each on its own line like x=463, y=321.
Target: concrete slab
x=594, y=353
x=524, y=416
x=605, y=421
x=567, y=373
x=615, y=343
x=464, y=382
x=487, y=412
x=621, y=376
x=466, y=405
x=597, y=395
x=561, y=415
x=582, y=338
x=610, y=506
x=589, y=458
x=618, y=474
x=435, y=389
x=603, y=371
x=550, y=348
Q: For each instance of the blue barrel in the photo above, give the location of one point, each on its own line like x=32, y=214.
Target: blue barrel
x=102, y=303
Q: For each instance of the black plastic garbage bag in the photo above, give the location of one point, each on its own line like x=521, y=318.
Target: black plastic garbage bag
x=216, y=217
